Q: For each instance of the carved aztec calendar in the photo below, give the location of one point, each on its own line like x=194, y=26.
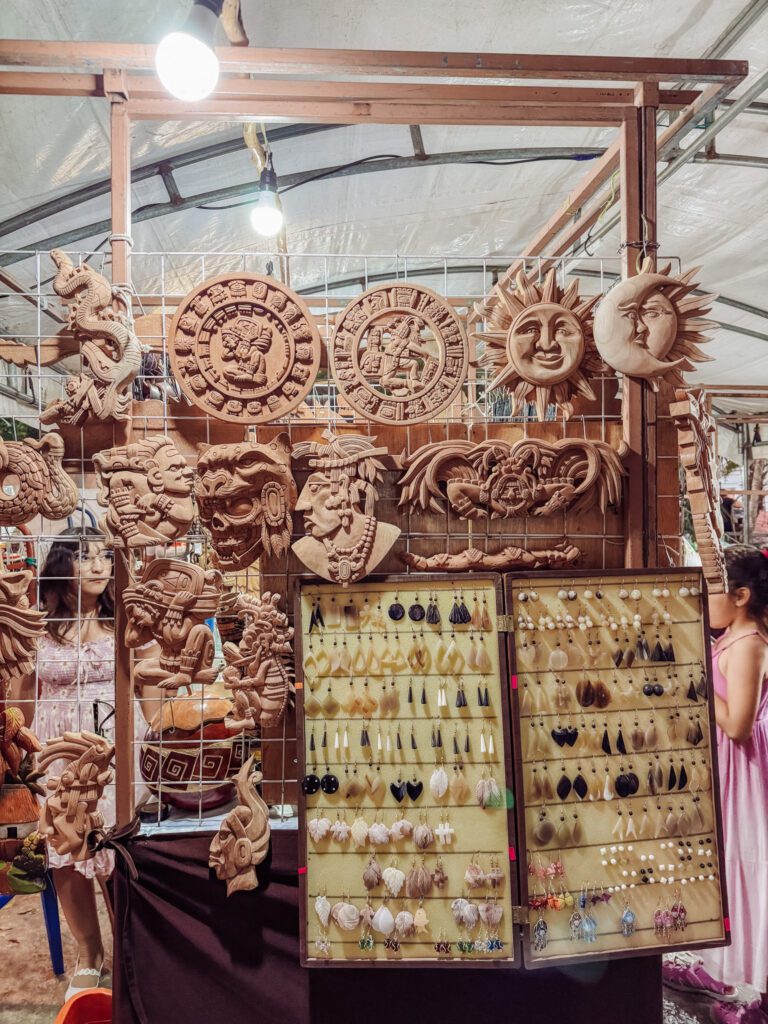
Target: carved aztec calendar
x=399, y=354
x=244, y=348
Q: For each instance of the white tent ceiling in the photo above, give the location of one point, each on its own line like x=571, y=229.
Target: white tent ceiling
x=713, y=216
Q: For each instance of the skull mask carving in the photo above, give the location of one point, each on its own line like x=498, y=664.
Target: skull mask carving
x=245, y=493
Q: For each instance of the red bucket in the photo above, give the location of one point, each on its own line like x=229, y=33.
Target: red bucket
x=93, y=1006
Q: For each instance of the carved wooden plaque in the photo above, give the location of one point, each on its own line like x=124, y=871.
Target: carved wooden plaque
x=244, y=348
x=399, y=354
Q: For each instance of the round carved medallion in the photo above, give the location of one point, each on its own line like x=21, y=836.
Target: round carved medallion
x=244, y=348
x=399, y=354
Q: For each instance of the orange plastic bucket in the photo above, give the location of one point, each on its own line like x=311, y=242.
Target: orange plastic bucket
x=93, y=1006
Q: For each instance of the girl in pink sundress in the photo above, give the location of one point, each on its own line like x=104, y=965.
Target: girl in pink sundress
x=740, y=668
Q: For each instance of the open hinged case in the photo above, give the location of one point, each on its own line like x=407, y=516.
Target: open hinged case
x=617, y=813
x=406, y=820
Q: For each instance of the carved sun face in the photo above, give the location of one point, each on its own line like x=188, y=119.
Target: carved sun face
x=538, y=339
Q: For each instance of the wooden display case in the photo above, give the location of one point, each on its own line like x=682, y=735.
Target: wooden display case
x=439, y=708
x=625, y=847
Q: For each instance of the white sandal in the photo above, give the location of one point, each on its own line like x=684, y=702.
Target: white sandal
x=90, y=976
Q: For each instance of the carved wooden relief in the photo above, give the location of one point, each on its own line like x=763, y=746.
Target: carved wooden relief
x=17, y=744
x=257, y=669
x=242, y=842
x=650, y=326
x=71, y=810
x=344, y=540
x=244, y=348
x=508, y=558
x=399, y=354
x=170, y=605
x=147, y=488
x=538, y=342
x=33, y=481
x=498, y=480
x=696, y=433
x=245, y=494
x=21, y=628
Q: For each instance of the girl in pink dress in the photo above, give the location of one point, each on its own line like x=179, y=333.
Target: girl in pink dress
x=740, y=669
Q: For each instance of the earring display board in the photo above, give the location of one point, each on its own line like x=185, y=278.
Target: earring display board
x=406, y=827
x=617, y=810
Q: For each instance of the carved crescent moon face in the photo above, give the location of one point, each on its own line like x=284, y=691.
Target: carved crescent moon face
x=545, y=344
x=636, y=327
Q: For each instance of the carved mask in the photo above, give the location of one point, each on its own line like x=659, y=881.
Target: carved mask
x=245, y=494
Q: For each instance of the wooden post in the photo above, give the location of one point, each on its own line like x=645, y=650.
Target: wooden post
x=120, y=148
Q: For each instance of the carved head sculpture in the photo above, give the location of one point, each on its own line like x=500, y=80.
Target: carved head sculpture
x=20, y=628
x=242, y=841
x=147, y=487
x=650, y=325
x=345, y=541
x=245, y=493
x=538, y=339
x=33, y=480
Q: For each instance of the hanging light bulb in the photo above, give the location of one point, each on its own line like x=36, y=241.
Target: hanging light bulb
x=186, y=62
x=267, y=214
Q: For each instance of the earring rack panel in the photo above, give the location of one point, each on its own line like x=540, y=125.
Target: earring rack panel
x=618, y=806
x=403, y=717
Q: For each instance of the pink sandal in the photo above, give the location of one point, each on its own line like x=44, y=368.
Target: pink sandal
x=692, y=978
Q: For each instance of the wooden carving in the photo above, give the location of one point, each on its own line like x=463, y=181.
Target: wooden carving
x=508, y=558
x=244, y=348
x=257, y=669
x=21, y=628
x=33, y=481
x=242, y=841
x=245, y=494
x=538, y=342
x=110, y=350
x=399, y=354
x=499, y=480
x=71, y=811
x=147, y=488
x=695, y=437
x=650, y=326
x=17, y=744
x=344, y=539
x=170, y=605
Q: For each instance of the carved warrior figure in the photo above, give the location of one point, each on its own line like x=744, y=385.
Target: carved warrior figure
x=257, y=669
x=538, y=341
x=399, y=354
x=41, y=486
x=695, y=438
x=498, y=480
x=147, y=488
x=508, y=558
x=71, y=811
x=170, y=605
x=110, y=350
x=20, y=628
x=344, y=539
x=244, y=348
x=650, y=325
x=245, y=493
x=242, y=841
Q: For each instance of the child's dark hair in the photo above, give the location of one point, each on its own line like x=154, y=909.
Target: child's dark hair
x=748, y=567
x=58, y=591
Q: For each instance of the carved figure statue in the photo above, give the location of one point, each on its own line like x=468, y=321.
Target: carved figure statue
x=21, y=628
x=147, y=488
x=650, y=325
x=110, y=350
x=344, y=539
x=245, y=494
x=71, y=811
x=242, y=842
x=511, y=557
x=499, y=480
x=170, y=605
x=17, y=743
x=257, y=669
x=538, y=340
x=33, y=481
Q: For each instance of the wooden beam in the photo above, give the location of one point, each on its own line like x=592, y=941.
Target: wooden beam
x=95, y=56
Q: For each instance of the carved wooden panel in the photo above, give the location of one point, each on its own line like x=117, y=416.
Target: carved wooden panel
x=21, y=628
x=33, y=481
x=244, y=348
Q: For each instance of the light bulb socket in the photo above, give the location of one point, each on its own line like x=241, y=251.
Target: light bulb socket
x=268, y=178
x=202, y=20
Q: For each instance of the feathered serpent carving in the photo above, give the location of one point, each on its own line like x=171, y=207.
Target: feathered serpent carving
x=43, y=488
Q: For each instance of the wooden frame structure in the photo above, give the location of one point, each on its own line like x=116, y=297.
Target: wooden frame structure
x=339, y=93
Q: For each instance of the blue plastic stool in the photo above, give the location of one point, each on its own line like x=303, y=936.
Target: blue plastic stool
x=52, y=925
